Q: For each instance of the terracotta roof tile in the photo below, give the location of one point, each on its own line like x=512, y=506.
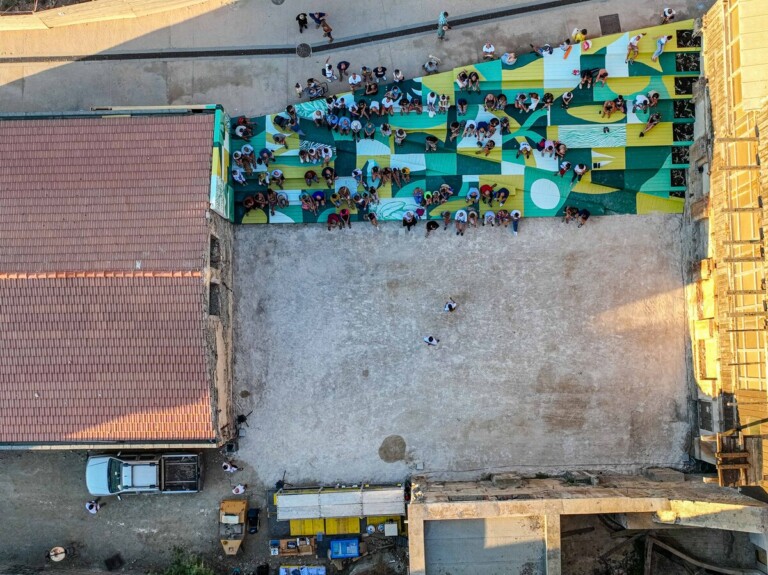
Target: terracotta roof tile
x=104, y=193
x=89, y=378
x=92, y=348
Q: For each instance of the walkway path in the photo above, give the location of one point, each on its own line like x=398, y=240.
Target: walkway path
x=257, y=84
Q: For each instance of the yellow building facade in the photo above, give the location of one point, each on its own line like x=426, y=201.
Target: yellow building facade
x=727, y=291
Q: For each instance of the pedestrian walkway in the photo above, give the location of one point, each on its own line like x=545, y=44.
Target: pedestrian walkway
x=627, y=173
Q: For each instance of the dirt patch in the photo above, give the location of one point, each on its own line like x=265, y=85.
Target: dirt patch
x=392, y=449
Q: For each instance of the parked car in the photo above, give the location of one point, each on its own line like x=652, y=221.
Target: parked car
x=144, y=473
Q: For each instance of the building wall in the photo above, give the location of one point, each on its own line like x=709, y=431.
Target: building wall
x=218, y=275
x=728, y=293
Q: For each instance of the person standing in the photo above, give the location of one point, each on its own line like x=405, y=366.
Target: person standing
x=379, y=74
x=303, y=22
x=409, y=220
x=93, y=506
x=516, y=217
x=578, y=172
x=230, y=467
x=239, y=489
x=432, y=225
x=327, y=30
x=430, y=340
x=317, y=18
x=450, y=305
x=667, y=15
x=342, y=67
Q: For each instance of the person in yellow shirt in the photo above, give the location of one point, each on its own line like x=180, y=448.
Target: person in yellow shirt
x=579, y=36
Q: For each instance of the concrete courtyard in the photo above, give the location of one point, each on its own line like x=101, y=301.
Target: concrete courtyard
x=567, y=350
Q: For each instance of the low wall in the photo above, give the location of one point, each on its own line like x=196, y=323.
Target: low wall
x=94, y=11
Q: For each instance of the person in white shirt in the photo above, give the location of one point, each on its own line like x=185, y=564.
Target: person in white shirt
x=239, y=489
x=230, y=467
x=578, y=172
x=641, y=103
x=632, y=49
x=356, y=127
x=489, y=51
x=461, y=222
x=661, y=41
x=431, y=100
x=238, y=174
x=387, y=106
x=667, y=15
x=450, y=305
x=93, y=506
x=534, y=101
x=524, y=149
x=355, y=80
x=328, y=73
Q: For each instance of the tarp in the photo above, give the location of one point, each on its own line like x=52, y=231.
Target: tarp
x=345, y=548
x=340, y=503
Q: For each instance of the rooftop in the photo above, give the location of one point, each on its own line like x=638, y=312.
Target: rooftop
x=104, y=233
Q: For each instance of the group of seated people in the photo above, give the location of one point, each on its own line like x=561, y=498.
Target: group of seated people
x=462, y=219
x=641, y=102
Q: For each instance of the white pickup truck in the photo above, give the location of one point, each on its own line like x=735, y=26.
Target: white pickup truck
x=144, y=473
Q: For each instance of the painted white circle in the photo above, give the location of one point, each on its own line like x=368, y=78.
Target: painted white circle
x=545, y=194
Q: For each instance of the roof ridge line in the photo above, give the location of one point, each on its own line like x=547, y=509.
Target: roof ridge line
x=98, y=274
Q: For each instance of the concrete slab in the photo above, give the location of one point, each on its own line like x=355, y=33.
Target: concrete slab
x=492, y=546
x=567, y=350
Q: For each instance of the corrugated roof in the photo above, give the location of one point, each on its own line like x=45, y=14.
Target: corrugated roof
x=348, y=503
x=102, y=304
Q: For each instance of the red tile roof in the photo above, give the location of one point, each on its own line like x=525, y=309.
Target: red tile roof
x=100, y=194
x=102, y=303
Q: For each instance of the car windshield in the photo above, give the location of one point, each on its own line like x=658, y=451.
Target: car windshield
x=115, y=471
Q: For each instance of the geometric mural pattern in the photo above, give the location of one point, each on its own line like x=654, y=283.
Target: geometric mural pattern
x=626, y=173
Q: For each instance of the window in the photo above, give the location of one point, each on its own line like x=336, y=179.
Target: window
x=214, y=252
x=214, y=299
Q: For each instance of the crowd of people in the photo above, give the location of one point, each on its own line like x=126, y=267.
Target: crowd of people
x=361, y=119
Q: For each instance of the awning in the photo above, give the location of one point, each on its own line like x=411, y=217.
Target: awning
x=324, y=503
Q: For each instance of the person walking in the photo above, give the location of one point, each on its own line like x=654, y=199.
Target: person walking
x=303, y=22
x=93, y=506
x=431, y=340
x=230, y=467
x=317, y=18
x=450, y=305
x=327, y=30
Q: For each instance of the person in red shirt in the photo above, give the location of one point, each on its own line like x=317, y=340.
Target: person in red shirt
x=486, y=193
x=334, y=221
